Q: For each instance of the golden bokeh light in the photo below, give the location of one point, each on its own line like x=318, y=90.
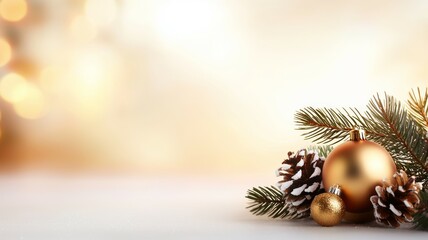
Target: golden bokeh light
x=33, y=105
x=13, y=10
x=101, y=12
x=13, y=88
x=160, y=75
x=5, y=52
x=82, y=30
x=49, y=77
x=28, y=101
x=91, y=80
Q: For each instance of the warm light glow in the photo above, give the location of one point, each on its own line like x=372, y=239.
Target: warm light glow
x=5, y=52
x=50, y=77
x=183, y=19
x=27, y=99
x=89, y=72
x=13, y=10
x=33, y=105
x=13, y=88
x=193, y=83
x=82, y=30
x=101, y=12
x=90, y=80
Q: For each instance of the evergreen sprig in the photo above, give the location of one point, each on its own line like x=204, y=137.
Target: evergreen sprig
x=324, y=125
x=323, y=150
x=421, y=218
x=403, y=132
x=386, y=121
x=418, y=105
x=269, y=201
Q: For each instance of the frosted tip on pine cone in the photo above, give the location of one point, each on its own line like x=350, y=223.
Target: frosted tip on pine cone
x=301, y=180
x=396, y=201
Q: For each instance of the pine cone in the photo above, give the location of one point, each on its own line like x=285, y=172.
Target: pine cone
x=396, y=201
x=302, y=180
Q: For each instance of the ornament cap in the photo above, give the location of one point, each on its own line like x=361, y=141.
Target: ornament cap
x=357, y=134
x=335, y=189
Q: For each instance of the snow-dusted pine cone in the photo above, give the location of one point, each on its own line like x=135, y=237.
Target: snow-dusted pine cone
x=301, y=180
x=396, y=201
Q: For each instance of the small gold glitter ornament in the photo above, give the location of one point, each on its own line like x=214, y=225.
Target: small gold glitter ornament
x=357, y=166
x=328, y=209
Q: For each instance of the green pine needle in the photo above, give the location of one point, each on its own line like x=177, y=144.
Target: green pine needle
x=421, y=219
x=269, y=201
x=323, y=150
x=324, y=125
x=403, y=133
x=386, y=122
x=418, y=105
x=404, y=138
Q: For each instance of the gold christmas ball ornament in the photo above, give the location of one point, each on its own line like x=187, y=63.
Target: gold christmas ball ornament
x=328, y=209
x=357, y=166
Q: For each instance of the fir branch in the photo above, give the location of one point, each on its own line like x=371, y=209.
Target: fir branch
x=269, y=201
x=418, y=105
x=404, y=137
x=323, y=150
x=323, y=125
x=420, y=220
x=385, y=122
x=330, y=126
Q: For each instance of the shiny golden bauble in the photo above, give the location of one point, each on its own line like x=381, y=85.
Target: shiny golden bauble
x=328, y=209
x=357, y=166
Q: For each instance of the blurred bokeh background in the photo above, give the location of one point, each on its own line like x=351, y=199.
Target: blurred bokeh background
x=132, y=119
x=203, y=87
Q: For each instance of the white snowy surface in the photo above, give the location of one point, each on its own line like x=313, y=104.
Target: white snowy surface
x=45, y=207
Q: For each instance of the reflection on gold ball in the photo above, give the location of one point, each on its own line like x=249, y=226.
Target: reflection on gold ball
x=327, y=209
x=357, y=166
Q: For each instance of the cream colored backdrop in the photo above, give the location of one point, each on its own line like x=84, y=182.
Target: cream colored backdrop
x=206, y=86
